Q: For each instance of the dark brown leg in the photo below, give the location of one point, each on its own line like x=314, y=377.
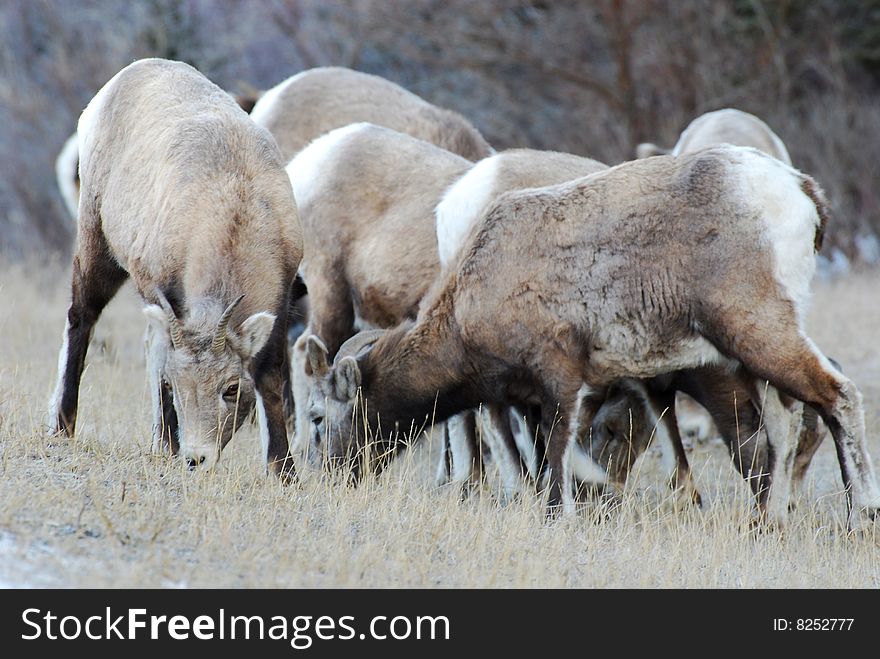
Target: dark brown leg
x=561, y=423
x=444, y=468
x=287, y=391
x=96, y=278
x=270, y=381
x=810, y=438
x=794, y=365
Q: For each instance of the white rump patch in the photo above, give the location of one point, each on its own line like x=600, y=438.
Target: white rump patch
x=308, y=167
x=790, y=222
x=66, y=171
x=87, y=123
x=462, y=205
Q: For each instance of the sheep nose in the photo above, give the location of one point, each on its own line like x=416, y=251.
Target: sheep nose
x=192, y=463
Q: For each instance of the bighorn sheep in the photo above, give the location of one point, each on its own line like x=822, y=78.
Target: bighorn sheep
x=182, y=192
x=729, y=126
x=646, y=268
x=457, y=213
x=713, y=387
x=318, y=100
x=352, y=233
x=366, y=196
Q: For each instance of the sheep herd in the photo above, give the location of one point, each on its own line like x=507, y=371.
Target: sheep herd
x=543, y=303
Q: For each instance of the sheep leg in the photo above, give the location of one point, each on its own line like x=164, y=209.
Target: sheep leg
x=444, y=465
x=301, y=385
x=296, y=313
x=782, y=423
x=505, y=451
x=523, y=432
x=793, y=364
x=730, y=398
x=809, y=439
x=269, y=383
x=165, y=422
x=681, y=480
x=749, y=445
x=561, y=426
x=96, y=279
x=530, y=442
x=287, y=398
x=465, y=451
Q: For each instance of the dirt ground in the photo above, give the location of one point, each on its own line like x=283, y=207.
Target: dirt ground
x=101, y=511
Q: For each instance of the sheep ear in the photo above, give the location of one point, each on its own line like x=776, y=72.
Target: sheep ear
x=348, y=378
x=253, y=333
x=317, y=355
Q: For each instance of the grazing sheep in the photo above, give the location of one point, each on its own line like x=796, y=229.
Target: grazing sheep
x=183, y=193
x=721, y=126
x=649, y=267
x=457, y=213
x=366, y=196
x=318, y=100
x=728, y=126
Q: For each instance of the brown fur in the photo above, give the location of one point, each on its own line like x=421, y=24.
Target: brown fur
x=370, y=245
x=316, y=101
x=184, y=194
x=625, y=273
x=728, y=126
x=370, y=242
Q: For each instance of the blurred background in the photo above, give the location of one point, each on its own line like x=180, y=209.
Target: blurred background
x=592, y=78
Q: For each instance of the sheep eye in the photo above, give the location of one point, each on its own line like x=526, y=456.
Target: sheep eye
x=231, y=393
x=317, y=420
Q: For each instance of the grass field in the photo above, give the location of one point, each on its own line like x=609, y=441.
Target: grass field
x=101, y=511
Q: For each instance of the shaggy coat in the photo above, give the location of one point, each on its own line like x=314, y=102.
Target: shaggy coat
x=183, y=193
x=316, y=101
x=726, y=126
x=366, y=196
x=649, y=267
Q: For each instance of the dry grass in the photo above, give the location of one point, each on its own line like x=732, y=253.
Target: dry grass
x=101, y=511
